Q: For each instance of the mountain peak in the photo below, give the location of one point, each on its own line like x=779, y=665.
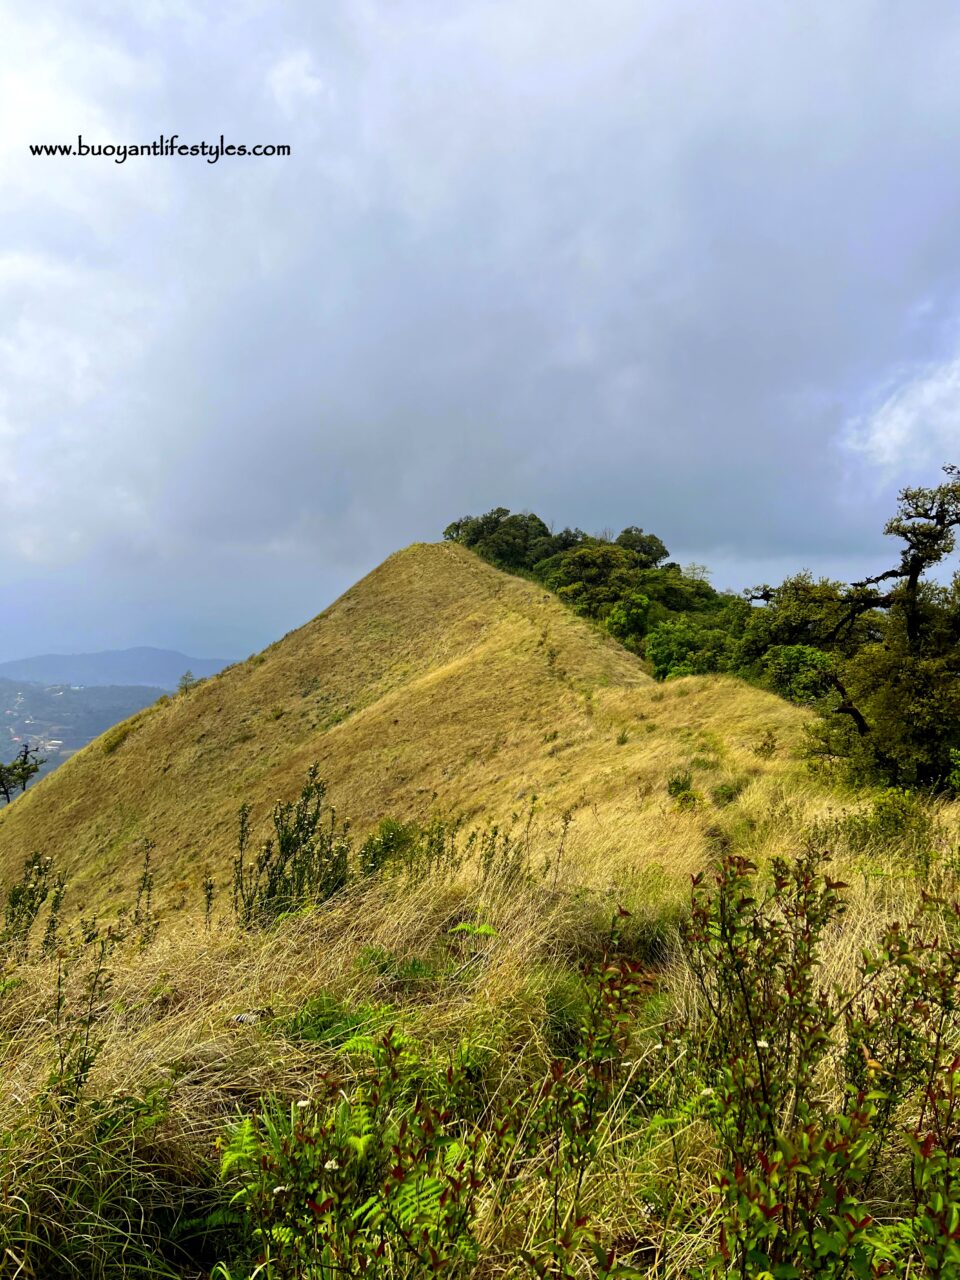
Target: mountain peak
x=435, y=680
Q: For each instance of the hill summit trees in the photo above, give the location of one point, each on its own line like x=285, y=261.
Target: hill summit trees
x=628, y=584
x=879, y=658
x=518, y=541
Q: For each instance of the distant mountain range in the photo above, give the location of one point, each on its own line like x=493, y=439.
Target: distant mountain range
x=160, y=668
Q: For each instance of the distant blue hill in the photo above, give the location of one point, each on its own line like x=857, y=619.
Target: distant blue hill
x=161, y=668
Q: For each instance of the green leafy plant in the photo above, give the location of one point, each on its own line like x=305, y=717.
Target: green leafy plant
x=359, y=1184
x=766, y=745
x=799, y=1158
x=680, y=783
x=386, y=1176
x=304, y=862
x=209, y=895
x=680, y=788
x=25, y=900
x=75, y=1018
x=570, y=1112
x=725, y=793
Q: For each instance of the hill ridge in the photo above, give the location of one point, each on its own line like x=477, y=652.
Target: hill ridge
x=434, y=675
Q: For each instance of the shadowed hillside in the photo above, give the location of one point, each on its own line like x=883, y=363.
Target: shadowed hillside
x=436, y=681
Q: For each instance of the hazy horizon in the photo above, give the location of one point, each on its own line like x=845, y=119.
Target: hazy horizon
x=694, y=269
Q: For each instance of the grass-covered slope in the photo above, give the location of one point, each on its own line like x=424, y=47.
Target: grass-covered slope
x=435, y=682
x=520, y=1057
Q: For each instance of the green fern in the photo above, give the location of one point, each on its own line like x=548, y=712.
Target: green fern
x=361, y=1127
x=242, y=1147
x=416, y=1203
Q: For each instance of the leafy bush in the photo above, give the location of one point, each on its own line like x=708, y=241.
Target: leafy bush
x=510, y=541
x=334, y=1185
x=629, y=617
x=892, y=817
x=679, y=783
x=390, y=842
x=811, y=1088
x=402, y=974
x=25, y=899
x=593, y=577
x=411, y=849
x=766, y=745
x=565, y=1007
x=680, y=787
x=305, y=861
x=798, y=672
x=684, y=646
x=325, y=1020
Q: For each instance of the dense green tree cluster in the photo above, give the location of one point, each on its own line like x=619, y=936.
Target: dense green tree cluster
x=880, y=659
x=627, y=584
x=511, y=540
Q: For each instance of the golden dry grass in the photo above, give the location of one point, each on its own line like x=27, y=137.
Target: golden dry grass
x=436, y=682
x=167, y=1021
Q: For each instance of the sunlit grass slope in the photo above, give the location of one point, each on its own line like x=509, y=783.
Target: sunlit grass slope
x=437, y=682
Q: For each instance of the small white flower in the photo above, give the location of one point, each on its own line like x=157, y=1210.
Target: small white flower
x=705, y=1093
x=277, y=1190
x=762, y=1044
x=304, y=1102
x=332, y=1164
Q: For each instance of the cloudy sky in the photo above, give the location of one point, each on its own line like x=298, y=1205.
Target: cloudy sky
x=694, y=267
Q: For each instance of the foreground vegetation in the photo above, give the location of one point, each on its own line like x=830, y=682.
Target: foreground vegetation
x=437, y=1051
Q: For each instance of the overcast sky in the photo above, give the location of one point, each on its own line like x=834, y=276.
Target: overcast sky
x=689, y=266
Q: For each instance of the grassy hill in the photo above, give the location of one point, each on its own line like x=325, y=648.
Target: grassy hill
x=435, y=682
x=538, y=1056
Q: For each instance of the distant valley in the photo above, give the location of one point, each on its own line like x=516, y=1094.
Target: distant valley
x=59, y=719
x=58, y=703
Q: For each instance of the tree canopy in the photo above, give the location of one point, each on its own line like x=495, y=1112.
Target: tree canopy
x=878, y=658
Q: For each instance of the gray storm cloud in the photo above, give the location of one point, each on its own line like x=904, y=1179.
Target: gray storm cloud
x=684, y=266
